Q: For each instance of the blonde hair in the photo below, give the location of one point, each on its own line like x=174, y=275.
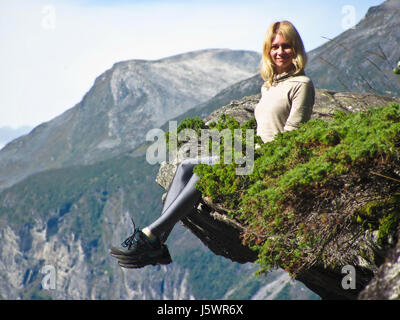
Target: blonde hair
x=287, y=30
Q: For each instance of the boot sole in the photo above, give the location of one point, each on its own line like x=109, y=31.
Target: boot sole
x=137, y=265
x=161, y=257
x=133, y=257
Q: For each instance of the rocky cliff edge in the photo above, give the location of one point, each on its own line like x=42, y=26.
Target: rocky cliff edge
x=376, y=266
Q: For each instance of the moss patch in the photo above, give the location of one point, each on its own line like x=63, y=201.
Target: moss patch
x=382, y=216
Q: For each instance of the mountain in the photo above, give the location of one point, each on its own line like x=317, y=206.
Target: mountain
x=124, y=103
x=362, y=58
x=66, y=219
x=8, y=134
x=64, y=208
x=238, y=90
x=68, y=189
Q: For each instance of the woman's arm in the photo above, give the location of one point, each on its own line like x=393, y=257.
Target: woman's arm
x=302, y=101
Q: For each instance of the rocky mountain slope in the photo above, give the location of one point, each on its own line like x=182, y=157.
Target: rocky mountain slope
x=124, y=103
x=362, y=58
x=8, y=134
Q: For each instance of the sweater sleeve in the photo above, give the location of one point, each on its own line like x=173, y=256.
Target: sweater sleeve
x=302, y=101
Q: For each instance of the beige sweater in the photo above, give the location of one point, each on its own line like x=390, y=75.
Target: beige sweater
x=286, y=104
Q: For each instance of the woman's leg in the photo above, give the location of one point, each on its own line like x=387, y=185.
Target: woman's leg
x=181, y=197
x=145, y=246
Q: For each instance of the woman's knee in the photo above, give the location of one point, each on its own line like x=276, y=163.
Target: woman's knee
x=186, y=166
x=194, y=161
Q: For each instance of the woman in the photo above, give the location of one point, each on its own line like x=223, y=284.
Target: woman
x=287, y=98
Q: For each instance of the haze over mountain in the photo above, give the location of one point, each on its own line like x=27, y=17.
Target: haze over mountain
x=8, y=134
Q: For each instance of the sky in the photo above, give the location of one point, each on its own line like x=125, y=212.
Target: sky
x=51, y=51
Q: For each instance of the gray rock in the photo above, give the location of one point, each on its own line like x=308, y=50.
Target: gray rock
x=386, y=283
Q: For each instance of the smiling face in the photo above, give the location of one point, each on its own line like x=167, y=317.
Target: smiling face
x=281, y=54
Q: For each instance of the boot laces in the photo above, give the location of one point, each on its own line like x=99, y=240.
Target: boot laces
x=131, y=241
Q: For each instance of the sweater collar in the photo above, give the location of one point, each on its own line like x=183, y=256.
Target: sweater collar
x=283, y=76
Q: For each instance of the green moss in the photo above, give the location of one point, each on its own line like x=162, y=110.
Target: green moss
x=224, y=122
x=287, y=169
x=367, y=255
x=388, y=226
x=369, y=214
x=389, y=223
x=382, y=216
x=195, y=124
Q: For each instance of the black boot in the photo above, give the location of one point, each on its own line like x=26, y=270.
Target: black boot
x=138, y=251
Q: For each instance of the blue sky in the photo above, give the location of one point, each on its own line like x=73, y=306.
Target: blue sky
x=54, y=49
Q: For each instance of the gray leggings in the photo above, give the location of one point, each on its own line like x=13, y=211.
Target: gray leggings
x=181, y=197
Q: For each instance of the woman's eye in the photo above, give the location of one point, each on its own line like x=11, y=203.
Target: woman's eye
x=284, y=47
